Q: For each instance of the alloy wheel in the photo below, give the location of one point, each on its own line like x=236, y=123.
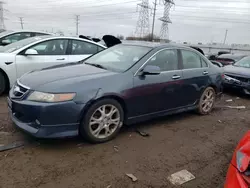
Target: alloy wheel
x=208, y=100
x=104, y=121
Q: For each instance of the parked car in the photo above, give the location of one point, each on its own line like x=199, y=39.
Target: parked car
x=40, y=52
x=121, y=85
x=229, y=59
x=238, y=175
x=8, y=37
x=238, y=75
x=216, y=63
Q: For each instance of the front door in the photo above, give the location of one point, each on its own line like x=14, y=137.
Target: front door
x=195, y=76
x=156, y=93
x=49, y=53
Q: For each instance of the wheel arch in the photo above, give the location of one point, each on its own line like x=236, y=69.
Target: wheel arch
x=7, y=80
x=114, y=97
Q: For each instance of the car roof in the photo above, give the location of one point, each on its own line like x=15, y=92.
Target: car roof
x=231, y=56
x=33, y=31
x=67, y=37
x=155, y=44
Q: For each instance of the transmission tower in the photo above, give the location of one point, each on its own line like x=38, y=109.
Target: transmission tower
x=164, y=34
x=2, y=25
x=142, y=27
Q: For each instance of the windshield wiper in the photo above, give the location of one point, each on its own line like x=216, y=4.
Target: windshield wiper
x=96, y=65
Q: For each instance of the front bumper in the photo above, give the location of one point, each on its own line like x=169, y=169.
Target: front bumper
x=240, y=86
x=234, y=179
x=46, y=120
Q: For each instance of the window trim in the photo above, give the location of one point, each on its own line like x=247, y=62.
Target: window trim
x=144, y=64
x=24, y=50
x=70, y=46
x=208, y=66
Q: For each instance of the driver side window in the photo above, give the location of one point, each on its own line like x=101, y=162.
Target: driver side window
x=51, y=47
x=166, y=60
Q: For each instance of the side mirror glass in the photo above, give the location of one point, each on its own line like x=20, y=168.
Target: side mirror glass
x=31, y=52
x=151, y=70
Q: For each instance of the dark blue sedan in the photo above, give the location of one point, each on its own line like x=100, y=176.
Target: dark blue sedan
x=124, y=84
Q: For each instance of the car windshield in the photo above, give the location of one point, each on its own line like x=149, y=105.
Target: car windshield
x=118, y=58
x=245, y=62
x=18, y=45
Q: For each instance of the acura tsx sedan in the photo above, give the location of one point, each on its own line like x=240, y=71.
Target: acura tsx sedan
x=124, y=84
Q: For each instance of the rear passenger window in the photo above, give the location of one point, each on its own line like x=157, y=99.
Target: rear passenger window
x=191, y=60
x=83, y=48
x=166, y=60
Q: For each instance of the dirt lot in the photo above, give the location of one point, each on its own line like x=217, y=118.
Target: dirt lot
x=201, y=144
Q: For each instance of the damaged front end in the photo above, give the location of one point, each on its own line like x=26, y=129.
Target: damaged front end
x=238, y=175
x=237, y=82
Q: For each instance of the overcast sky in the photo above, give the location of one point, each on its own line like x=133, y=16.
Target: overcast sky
x=192, y=20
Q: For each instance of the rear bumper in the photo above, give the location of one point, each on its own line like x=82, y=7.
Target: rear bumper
x=43, y=120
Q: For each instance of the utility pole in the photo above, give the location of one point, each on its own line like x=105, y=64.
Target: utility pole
x=2, y=25
x=77, y=23
x=153, y=25
x=225, y=37
x=21, y=21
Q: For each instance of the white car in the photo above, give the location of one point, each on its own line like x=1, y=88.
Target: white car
x=8, y=37
x=33, y=53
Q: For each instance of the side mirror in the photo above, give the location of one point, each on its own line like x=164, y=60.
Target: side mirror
x=6, y=42
x=31, y=52
x=151, y=70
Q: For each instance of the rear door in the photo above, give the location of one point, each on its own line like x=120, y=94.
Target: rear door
x=195, y=76
x=156, y=93
x=49, y=53
x=80, y=50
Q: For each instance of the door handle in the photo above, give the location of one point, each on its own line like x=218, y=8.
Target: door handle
x=205, y=72
x=175, y=77
x=60, y=59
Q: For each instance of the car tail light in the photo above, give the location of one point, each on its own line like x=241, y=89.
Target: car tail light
x=222, y=76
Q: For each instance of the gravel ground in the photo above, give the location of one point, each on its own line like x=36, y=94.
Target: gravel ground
x=201, y=144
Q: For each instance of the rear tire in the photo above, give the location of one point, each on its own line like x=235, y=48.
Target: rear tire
x=2, y=83
x=207, y=101
x=102, y=121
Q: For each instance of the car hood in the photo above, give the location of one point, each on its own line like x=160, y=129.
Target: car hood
x=237, y=70
x=62, y=74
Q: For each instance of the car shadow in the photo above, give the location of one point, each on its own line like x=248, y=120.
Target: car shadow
x=62, y=143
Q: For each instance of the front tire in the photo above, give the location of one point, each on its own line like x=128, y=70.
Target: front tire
x=2, y=83
x=207, y=101
x=102, y=121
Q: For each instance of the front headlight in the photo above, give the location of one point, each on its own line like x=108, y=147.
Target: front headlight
x=50, y=97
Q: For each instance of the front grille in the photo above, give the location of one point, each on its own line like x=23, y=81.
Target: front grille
x=242, y=79
x=19, y=90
